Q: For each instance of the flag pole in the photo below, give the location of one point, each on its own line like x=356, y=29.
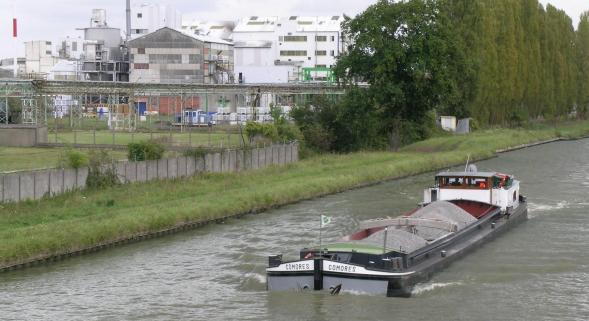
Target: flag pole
x=320, y=236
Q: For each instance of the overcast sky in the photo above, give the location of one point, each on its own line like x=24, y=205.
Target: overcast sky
x=53, y=19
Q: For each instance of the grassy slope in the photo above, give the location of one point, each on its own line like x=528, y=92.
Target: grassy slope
x=81, y=219
x=122, y=138
x=27, y=158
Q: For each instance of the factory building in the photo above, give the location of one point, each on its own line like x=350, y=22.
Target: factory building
x=216, y=29
x=39, y=58
x=70, y=48
x=8, y=69
x=289, y=49
x=105, y=57
x=171, y=56
x=147, y=18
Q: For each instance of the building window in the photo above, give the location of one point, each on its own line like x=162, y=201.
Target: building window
x=141, y=66
x=320, y=66
x=140, y=15
x=165, y=59
x=293, y=52
x=320, y=38
x=74, y=46
x=321, y=53
x=194, y=59
x=141, y=51
x=48, y=43
x=332, y=38
x=332, y=53
x=295, y=38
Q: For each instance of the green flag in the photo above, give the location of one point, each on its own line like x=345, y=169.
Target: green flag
x=325, y=220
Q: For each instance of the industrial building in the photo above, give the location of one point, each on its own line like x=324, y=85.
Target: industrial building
x=216, y=29
x=147, y=18
x=8, y=68
x=289, y=49
x=171, y=56
x=105, y=57
x=39, y=58
x=70, y=48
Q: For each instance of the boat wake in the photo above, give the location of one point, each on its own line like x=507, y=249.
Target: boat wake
x=253, y=281
x=535, y=207
x=427, y=287
x=355, y=292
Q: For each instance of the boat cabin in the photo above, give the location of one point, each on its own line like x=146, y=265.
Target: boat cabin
x=486, y=187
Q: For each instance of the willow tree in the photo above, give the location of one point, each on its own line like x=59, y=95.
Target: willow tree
x=408, y=53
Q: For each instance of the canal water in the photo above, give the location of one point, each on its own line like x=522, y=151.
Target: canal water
x=536, y=271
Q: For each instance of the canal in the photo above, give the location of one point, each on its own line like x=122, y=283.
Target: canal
x=537, y=271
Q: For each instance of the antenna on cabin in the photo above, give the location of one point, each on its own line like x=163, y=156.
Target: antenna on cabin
x=467, y=160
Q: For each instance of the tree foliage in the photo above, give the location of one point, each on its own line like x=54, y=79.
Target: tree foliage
x=410, y=55
x=500, y=62
x=524, y=56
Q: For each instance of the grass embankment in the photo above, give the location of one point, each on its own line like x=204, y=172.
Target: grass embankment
x=105, y=137
x=28, y=158
x=85, y=218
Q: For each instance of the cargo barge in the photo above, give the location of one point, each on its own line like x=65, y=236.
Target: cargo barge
x=388, y=256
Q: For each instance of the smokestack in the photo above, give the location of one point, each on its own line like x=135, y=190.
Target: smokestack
x=14, y=29
x=128, y=20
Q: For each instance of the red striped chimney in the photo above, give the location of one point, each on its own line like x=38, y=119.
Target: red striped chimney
x=14, y=33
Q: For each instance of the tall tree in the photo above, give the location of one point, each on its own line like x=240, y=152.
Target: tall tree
x=408, y=53
x=583, y=63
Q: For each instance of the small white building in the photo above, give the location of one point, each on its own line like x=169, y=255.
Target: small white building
x=65, y=70
x=280, y=50
x=147, y=18
x=448, y=123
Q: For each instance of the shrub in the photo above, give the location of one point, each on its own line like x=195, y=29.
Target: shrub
x=256, y=132
x=288, y=132
x=318, y=138
x=101, y=170
x=198, y=152
x=72, y=158
x=145, y=150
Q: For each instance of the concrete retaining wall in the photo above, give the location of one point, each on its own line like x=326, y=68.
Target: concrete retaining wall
x=19, y=186
x=22, y=135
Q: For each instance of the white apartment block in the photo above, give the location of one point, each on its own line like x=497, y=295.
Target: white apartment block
x=277, y=50
x=39, y=57
x=147, y=18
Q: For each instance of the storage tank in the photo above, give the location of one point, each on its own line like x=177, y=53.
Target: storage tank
x=98, y=18
x=111, y=37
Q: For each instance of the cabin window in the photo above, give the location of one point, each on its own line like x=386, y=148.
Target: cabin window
x=455, y=181
x=478, y=182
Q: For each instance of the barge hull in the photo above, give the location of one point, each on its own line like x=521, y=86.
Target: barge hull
x=393, y=284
